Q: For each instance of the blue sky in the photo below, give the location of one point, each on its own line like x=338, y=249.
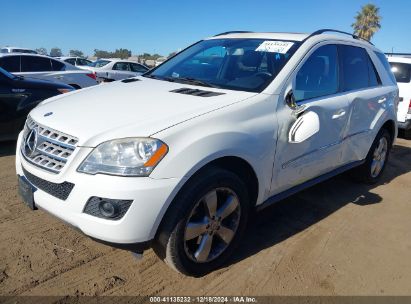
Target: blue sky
x=165, y=26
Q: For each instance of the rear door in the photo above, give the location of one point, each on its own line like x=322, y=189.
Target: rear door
x=402, y=73
x=121, y=70
x=369, y=100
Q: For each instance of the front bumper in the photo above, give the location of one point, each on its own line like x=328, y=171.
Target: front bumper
x=134, y=230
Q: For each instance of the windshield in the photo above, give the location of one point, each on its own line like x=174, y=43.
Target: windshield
x=236, y=64
x=99, y=63
x=7, y=74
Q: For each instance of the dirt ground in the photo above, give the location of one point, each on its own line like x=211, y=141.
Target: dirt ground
x=338, y=238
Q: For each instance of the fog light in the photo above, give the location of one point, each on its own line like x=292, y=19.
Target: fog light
x=110, y=209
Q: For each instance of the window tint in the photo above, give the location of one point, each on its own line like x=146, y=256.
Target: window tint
x=83, y=61
x=138, y=68
x=374, y=79
x=4, y=51
x=386, y=65
x=402, y=71
x=35, y=64
x=10, y=63
x=121, y=66
x=71, y=61
x=319, y=74
x=354, y=63
x=57, y=65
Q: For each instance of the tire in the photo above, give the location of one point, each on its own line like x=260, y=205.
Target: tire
x=373, y=168
x=184, y=248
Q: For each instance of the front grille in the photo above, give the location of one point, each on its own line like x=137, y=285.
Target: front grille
x=61, y=191
x=51, y=149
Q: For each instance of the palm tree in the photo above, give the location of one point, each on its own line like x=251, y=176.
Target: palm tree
x=367, y=21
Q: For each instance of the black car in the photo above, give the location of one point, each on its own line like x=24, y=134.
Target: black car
x=18, y=95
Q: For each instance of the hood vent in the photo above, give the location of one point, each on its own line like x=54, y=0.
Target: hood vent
x=196, y=92
x=127, y=80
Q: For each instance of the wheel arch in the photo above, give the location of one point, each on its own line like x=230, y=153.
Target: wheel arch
x=235, y=164
x=391, y=127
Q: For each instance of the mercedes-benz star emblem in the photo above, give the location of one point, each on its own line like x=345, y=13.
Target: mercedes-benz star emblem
x=31, y=143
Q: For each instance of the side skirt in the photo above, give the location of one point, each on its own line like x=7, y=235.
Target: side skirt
x=283, y=195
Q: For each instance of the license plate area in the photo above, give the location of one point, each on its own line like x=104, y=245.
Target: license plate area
x=26, y=191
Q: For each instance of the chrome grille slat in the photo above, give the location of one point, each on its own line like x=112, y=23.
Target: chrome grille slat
x=53, y=150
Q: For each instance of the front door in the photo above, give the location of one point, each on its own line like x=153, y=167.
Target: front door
x=312, y=126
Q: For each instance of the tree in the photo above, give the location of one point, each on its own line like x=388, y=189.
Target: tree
x=367, y=21
x=122, y=53
x=118, y=53
x=76, y=53
x=102, y=54
x=55, y=52
x=42, y=51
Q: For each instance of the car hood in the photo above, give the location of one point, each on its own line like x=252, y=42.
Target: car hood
x=128, y=109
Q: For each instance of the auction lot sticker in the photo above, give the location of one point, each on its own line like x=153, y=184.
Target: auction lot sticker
x=275, y=46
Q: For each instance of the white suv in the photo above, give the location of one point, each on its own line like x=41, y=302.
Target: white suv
x=401, y=67
x=178, y=159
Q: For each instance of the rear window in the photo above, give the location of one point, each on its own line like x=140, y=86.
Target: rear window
x=35, y=64
x=402, y=71
x=99, y=63
x=57, y=65
x=386, y=65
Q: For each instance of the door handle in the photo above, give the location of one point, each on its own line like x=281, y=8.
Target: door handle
x=381, y=100
x=339, y=114
x=59, y=77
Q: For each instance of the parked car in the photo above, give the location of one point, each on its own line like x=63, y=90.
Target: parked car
x=76, y=61
x=178, y=159
x=401, y=68
x=19, y=95
x=43, y=67
x=160, y=60
x=14, y=49
x=107, y=70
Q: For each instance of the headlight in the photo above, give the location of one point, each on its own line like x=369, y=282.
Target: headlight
x=125, y=157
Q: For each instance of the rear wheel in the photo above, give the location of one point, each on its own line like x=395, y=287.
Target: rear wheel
x=204, y=224
x=371, y=171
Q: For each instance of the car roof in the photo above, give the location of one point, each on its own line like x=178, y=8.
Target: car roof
x=117, y=60
x=320, y=35
x=16, y=47
x=262, y=35
x=399, y=59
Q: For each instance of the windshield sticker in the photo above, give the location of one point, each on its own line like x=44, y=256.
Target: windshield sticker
x=270, y=46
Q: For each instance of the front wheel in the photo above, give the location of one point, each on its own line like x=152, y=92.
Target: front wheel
x=205, y=223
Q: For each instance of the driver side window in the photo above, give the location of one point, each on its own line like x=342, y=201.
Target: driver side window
x=319, y=74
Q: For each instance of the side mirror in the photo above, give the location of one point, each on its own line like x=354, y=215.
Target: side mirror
x=304, y=127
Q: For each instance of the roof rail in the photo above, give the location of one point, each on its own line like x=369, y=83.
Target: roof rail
x=336, y=31
x=232, y=32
